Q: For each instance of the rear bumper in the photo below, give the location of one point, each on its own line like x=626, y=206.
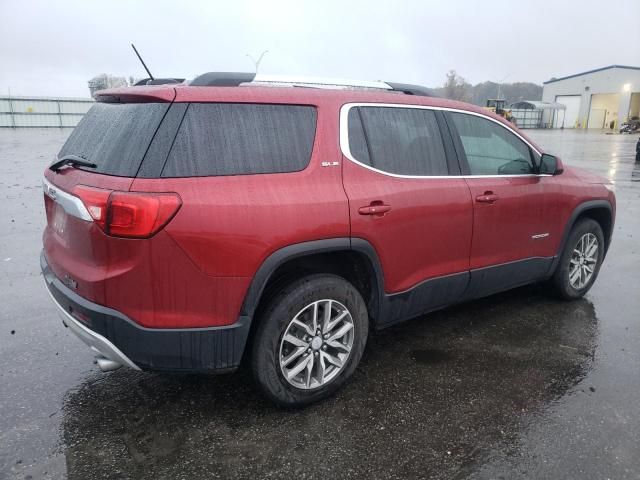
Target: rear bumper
x=118, y=340
x=103, y=348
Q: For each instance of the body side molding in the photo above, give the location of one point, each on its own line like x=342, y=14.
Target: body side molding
x=429, y=295
x=494, y=279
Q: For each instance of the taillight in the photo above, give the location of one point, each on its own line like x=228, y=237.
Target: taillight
x=129, y=214
x=96, y=200
x=140, y=215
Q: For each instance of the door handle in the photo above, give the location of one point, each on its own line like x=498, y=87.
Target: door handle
x=487, y=197
x=374, y=209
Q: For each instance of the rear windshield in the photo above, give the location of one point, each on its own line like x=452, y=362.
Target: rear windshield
x=240, y=139
x=115, y=136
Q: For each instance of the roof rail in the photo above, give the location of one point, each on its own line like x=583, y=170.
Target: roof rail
x=320, y=82
x=222, y=79
x=235, y=79
x=410, y=89
x=157, y=81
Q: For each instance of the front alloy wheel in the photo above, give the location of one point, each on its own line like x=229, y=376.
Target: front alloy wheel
x=583, y=261
x=580, y=260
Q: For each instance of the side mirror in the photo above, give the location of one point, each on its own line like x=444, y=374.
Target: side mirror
x=550, y=165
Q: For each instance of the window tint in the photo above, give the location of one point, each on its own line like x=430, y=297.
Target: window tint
x=115, y=136
x=357, y=142
x=404, y=141
x=237, y=139
x=491, y=149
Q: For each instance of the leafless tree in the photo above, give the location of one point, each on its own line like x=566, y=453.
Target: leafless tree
x=456, y=87
x=104, y=80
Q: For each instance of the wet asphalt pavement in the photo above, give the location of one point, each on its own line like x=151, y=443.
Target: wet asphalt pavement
x=519, y=385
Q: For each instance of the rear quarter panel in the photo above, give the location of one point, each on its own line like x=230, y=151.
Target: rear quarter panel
x=228, y=225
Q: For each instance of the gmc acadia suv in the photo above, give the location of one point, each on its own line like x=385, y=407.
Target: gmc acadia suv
x=192, y=227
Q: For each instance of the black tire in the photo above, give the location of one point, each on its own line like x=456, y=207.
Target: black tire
x=560, y=279
x=273, y=322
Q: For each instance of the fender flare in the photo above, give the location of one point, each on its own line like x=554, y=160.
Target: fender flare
x=577, y=211
x=290, y=252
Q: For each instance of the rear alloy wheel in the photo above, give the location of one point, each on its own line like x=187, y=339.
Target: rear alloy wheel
x=310, y=339
x=316, y=345
x=580, y=261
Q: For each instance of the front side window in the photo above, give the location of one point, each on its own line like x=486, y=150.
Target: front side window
x=490, y=148
x=402, y=141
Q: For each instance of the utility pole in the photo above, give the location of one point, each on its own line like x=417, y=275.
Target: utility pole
x=13, y=117
x=500, y=82
x=257, y=62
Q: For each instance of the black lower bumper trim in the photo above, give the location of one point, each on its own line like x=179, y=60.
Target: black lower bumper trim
x=171, y=349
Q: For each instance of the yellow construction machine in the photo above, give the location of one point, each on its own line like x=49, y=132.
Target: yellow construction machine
x=497, y=106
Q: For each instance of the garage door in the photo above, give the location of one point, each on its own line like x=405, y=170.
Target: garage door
x=604, y=110
x=570, y=117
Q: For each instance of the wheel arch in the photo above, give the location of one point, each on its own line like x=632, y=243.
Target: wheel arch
x=599, y=210
x=352, y=258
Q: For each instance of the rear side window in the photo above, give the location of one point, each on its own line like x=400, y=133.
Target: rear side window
x=403, y=141
x=115, y=136
x=240, y=139
x=357, y=141
x=490, y=148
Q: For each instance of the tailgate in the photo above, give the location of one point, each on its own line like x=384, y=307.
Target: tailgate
x=115, y=137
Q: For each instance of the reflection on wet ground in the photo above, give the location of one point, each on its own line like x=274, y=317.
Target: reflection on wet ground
x=635, y=173
x=519, y=385
x=435, y=393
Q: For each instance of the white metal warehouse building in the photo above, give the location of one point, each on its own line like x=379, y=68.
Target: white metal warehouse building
x=598, y=98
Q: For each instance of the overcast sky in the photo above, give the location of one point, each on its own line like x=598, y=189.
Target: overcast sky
x=54, y=47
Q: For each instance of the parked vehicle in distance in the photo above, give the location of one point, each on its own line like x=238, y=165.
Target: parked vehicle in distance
x=631, y=125
x=196, y=226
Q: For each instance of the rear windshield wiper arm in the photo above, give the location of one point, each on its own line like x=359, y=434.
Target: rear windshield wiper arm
x=73, y=160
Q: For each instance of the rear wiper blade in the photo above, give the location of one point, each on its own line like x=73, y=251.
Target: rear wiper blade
x=73, y=160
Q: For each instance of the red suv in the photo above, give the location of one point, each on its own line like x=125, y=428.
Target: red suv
x=192, y=227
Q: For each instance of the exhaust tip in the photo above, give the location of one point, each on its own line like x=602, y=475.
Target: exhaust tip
x=107, y=365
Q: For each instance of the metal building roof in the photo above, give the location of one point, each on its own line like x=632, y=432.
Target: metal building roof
x=537, y=105
x=591, y=71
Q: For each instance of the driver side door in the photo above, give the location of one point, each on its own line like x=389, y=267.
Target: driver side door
x=509, y=231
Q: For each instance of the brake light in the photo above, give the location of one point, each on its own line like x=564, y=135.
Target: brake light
x=129, y=214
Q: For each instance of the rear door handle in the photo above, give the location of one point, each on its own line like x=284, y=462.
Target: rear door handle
x=376, y=209
x=487, y=197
